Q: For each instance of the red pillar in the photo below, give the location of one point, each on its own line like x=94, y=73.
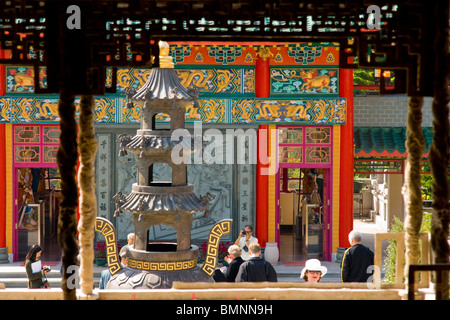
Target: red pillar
x=262, y=90
x=346, y=160
x=262, y=205
x=262, y=74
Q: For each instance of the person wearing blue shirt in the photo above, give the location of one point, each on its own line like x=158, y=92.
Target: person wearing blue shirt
x=106, y=275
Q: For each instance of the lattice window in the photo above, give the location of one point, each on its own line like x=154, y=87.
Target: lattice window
x=290, y=154
x=373, y=166
x=317, y=154
x=318, y=135
x=51, y=134
x=290, y=135
x=27, y=154
x=28, y=134
x=37, y=144
x=292, y=180
x=304, y=144
x=49, y=154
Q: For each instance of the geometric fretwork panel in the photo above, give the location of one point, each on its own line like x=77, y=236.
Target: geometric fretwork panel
x=78, y=43
x=304, y=144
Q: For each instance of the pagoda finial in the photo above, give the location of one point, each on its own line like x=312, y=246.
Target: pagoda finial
x=165, y=60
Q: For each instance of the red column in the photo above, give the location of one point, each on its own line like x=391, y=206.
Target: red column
x=346, y=160
x=262, y=205
x=262, y=90
x=262, y=73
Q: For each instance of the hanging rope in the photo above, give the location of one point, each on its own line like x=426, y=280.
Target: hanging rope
x=67, y=162
x=439, y=150
x=88, y=201
x=415, y=145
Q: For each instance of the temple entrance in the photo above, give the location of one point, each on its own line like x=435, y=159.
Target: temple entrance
x=38, y=195
x=304, y=190
x=36, y=190
x=304, y=219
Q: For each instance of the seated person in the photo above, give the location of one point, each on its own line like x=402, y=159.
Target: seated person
x=228, y=274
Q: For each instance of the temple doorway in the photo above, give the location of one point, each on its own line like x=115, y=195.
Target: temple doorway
x=304, y=219
x=36, y=190
x=38, y=194
x=304, y=192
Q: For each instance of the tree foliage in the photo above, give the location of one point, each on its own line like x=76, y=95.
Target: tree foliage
x=361, y=76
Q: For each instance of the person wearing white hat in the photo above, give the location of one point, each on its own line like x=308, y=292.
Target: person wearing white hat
x=313, y=271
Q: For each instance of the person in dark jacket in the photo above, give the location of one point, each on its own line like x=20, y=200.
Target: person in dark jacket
x=35, y=277
x=356, y=260
x=256, y=269
x=234, y=262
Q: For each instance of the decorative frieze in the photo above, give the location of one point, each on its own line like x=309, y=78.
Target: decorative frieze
x=241, y=111
x=223, y=74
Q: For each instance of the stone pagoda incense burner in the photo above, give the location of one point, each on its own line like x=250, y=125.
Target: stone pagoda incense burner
x=153, y=265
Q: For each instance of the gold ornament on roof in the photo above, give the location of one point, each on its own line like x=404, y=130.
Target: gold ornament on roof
x=264, y=53
x=165, y=60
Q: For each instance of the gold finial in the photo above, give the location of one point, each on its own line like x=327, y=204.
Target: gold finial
x=165, y=61
x=264, y=53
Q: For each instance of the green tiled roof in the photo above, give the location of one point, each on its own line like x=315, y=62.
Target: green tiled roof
x=387, y=140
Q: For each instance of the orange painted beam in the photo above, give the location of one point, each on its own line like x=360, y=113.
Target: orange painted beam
x=2, y=186
x=2, y=161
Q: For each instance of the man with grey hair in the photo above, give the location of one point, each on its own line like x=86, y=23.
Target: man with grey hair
x=130, y=243
x=355, y=237
x=234, y=260
x=356, y=260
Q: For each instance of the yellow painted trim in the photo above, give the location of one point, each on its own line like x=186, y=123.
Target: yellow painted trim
x=9, y=187
x=271, y=210
x=342, y=262
x=162, y=266
x=272, y=184
x=335, y=187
